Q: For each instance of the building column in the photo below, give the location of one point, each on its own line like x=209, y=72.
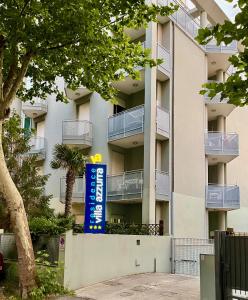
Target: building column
x=148, y=202
x=221, y=122
x=203, y=19
x=220, y=75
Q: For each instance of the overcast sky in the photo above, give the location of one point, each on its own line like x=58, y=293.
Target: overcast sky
x=228, y=8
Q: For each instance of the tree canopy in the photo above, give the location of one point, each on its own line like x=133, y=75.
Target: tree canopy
x=235, y=89
x=83, y=41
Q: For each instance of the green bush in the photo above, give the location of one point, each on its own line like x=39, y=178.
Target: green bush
x=51, y=226
x=49, y=280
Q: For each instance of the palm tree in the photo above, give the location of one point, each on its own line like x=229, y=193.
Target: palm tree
x=73, y=161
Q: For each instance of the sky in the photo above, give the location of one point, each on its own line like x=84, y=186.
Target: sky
x=227, y=8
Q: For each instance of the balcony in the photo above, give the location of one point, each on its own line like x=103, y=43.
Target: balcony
x=218, y=56
x=37, y=147
x=162, y=186
x=126, y=129
x=78, y=190
x=125, y=187
x=76, y=94
x=217, y=107
x=221, y=147
x=222, y=197
x=129, y=86
x=164, y=69
x=128, y=186
x=35, y=109
x=77, y=133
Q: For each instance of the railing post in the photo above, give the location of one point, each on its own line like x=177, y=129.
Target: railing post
x=161, y=227
x=219, y=239
x=124, y=123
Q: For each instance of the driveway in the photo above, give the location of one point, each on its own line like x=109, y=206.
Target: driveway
x=149, y=286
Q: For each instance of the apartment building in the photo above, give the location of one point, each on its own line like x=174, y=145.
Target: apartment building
x=172, y=154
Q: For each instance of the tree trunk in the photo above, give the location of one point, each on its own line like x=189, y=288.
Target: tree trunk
x=14, y=202
x=70, y=180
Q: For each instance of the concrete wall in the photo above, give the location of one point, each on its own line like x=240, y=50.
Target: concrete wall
x=94, y=258
x=237, y=170
x=189, y=217
x=189, y=128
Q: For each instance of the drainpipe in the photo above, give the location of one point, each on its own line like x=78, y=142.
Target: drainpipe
x=172, y=128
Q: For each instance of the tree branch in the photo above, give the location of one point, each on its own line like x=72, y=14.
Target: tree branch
x=11, y=74
x=19, y=78
x=24, y=7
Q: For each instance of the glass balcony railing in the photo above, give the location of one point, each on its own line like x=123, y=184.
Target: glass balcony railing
x=163, y=121
x=219, y=143
x=78, y=132
x=78, y=191
x=121, y=187
x=126, y=186
x=162, y=185
x=224, y=197
x=131, y=122
x=191, y=26
x=126, y=123
x=37, y=146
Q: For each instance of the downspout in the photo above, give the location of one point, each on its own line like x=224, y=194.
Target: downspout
x=172, y=128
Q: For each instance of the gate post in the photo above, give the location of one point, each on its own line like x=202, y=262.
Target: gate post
x=219, y=237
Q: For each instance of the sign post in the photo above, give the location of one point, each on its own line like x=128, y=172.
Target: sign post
x=95, y=198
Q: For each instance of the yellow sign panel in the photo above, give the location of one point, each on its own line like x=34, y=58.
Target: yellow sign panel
x=97, y=158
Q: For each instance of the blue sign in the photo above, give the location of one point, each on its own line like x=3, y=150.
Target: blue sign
x=95, y=198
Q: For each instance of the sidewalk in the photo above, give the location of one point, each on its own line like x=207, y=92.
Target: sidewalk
x=147, y=286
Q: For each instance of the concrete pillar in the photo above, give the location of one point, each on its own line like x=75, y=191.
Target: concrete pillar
x=220, y=75
x=148, y=202
x=221, y=173
x=222, y=220
x=221, y=124
x=203, y=19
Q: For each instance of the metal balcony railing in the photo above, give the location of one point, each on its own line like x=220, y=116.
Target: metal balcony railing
x=183, y=18
x=164, y=54
x=163, y=121
x=212, y=47
x=126, y=123
x=37, y=145
x=37, y=105
x=162, y=184
x=216, y=99
x=77, y=131
x=222, y=197
x=78, y=190
x=131, y=122
x=219, y=143
x=128, y=185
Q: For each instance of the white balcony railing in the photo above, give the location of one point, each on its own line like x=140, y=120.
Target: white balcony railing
x=126, y=123
x=78, y=191
x=78, y=131
x=222, y=197
x=219, y=143
x=163, y=121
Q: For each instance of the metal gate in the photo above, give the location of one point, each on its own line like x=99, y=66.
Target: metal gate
x=231, y=258
x=186, y=254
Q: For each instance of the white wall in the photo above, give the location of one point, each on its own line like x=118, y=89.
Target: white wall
x=94, y=258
